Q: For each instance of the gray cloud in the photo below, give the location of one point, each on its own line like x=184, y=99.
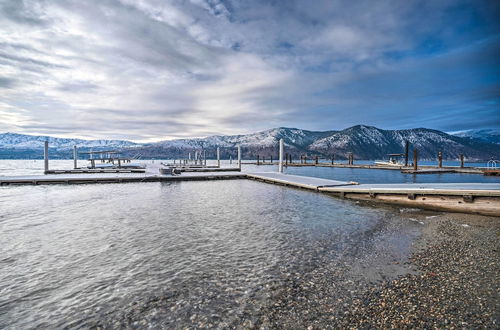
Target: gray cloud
x=153, y=69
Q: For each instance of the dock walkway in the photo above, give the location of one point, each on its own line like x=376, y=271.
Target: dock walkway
x=296, y=180
x=116, y=178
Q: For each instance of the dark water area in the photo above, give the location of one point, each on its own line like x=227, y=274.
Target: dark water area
x=194, y=254
x=388, y=176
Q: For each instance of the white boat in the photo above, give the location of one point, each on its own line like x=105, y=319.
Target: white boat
x=393, y=161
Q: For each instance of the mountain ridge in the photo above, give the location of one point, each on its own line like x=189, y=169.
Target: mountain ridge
x=364, y=141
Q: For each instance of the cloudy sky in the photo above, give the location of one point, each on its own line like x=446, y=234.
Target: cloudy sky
x=154, y=69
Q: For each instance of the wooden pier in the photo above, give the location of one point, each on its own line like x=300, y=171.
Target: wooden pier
x=480, y=198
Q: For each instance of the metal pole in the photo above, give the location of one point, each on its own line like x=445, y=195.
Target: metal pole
x=280, y=165
x=218, y=157
x=407, y=148
x=239, y=157
x=75, y=157
x=46, y=156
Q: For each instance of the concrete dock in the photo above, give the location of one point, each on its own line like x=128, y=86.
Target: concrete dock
x=116, y=178
x=306, y=182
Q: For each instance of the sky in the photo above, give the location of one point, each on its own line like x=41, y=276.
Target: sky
x=149, y=70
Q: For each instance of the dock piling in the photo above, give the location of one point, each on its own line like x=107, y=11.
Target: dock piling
x=75, y=158
x=239, y=157
x=415, y=159
x=46, y=156
x=218, y=157
x=440, y=159
x=461, y=161
x=258, y=163
x=280, y=167
x=407, y=148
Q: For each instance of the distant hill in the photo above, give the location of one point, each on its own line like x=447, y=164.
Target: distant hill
x=21, y=146
x=366, y=142
x=486, y=135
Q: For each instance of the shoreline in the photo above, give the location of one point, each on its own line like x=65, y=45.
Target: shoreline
x=456, y=284
x=449, y=281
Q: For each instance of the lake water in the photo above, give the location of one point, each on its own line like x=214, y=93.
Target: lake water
x=187, y=254
x=35, y=167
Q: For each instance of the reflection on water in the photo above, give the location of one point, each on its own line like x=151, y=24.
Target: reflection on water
x=188, y=253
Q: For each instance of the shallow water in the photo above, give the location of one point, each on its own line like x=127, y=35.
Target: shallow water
x=175, y=254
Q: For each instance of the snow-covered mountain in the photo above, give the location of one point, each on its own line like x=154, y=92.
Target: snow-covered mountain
x=22, y=141
x=487, y=135
x=368, y=142
x=365, y=142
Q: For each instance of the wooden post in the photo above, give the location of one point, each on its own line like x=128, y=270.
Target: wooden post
x=286, y=159
x=333, y=159
x=204, y=158
x=75, y=158
x=461, y=161
x=291, y=159
x=258, y=160
x=316, y=160
x=407, y=148
x=218, y=157
x=239, y=157
x=305, y=159
x=440, y=159
x=271, y=160
x=46, y=157
x=119, y=163
x=280, y=164
x=230, y=159
x=415, y=159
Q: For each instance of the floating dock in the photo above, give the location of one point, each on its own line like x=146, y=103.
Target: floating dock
x=422, y=169
x=97, y=170
x=480, y=198
x=306, y=182
x=117, y=178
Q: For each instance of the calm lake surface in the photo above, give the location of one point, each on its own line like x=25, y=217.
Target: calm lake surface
x=194, y=254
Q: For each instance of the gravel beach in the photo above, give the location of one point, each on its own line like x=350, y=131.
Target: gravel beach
x=446, y=276
x=451, y=282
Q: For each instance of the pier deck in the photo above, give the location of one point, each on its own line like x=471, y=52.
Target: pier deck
x=116, y=178
x=296, y=180
x=480, y=198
